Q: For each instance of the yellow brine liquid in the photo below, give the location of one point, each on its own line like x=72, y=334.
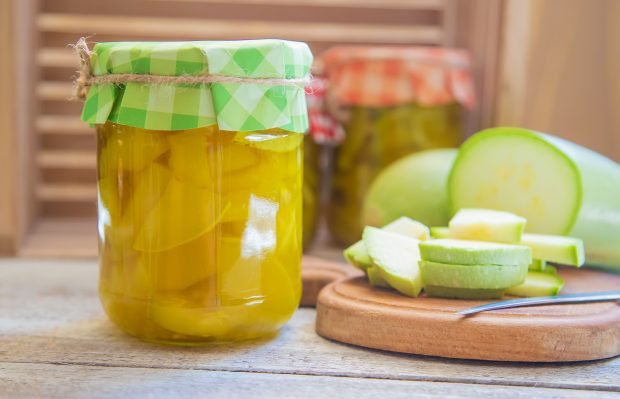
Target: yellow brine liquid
x=199, y=231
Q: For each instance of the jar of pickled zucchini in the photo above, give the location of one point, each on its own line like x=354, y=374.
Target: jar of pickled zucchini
x=391, y=101
x=199, y=150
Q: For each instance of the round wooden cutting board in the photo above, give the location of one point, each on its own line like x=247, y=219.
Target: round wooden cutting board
x=352, y=311
x=316, y=273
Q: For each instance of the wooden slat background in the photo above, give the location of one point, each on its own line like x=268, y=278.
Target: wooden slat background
x=18, y=107
x=68, y=145
x=550, y=65
x=7, y=124
x=65, y=159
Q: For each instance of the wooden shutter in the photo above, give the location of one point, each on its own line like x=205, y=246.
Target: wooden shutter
x=64, y=161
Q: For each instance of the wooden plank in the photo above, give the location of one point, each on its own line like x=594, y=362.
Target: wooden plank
x=372, y=4
x=61, y=124
x=353, y=312
x=54, y=91
x=41, y=380
x=67, y=192
x=196, y=29
x=66, y=159
x=39, y=327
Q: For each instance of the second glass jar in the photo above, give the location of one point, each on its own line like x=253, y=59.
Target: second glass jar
x=376, y=137
x=391, y=102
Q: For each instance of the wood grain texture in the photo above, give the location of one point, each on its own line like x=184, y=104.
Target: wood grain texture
x=322, y=23
x=559, y=70
x=353, y=312
x=316, y=273
x=49, y=314
x=68, y=381
x=8, y=127
x=479, y=30
x=17, y=106
x=353, y=4
x=53, y=121
x=196, y=29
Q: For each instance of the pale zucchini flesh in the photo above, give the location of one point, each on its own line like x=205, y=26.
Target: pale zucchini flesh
x=440, y=232
x=550, y=269
x=538, y=284
x=472, y=276
x=517, y=171
x=542, y=266
x=558, y=249
x=375, y=278
x=409, y=227
x=396, y=256
x=486, y=225
x=357, y=254
x=538, y=265
x=464, y=252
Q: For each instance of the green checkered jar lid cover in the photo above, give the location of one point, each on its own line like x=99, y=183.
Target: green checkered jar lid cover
x=238, y=85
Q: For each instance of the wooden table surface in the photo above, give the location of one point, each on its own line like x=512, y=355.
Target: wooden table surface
x=56, y=342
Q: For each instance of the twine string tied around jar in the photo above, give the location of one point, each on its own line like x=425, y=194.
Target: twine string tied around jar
x=85, y=77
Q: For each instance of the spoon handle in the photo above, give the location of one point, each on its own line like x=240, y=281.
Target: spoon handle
x=544, y=300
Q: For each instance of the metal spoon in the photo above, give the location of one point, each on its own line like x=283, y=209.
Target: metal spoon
x=544, y=300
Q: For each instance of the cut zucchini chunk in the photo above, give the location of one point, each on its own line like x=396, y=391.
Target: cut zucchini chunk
x=462, y=293
x=537, y=265
x=538, y=284
x=357, y=254
x=558, y=249
x=472, y=276
x=396, y=256
x=542, y=266
x=409, y=227
x=550, y=269
x=440, y=232
x=487, y=225
x=463, y=252
x=375, y=279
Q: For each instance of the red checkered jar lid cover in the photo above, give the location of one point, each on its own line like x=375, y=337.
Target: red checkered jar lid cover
x=385, y=76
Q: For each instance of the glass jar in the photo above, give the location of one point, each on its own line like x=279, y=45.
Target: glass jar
x=200, y=231
x=391, y=102
x=200, y=228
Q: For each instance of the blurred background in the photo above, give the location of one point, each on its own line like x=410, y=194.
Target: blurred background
x=549, y=65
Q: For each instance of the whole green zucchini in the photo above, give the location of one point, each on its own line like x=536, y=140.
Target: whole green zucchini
x=558, y=186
